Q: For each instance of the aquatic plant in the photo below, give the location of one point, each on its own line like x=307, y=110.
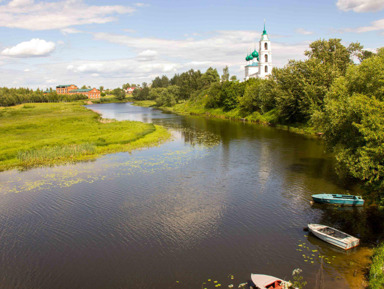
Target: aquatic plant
x=298, y=281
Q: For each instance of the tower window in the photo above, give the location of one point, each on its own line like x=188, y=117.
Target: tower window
x=266, y=57
x=266, y=46
x=266, y=69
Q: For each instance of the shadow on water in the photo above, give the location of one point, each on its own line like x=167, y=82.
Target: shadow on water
x=366, y=223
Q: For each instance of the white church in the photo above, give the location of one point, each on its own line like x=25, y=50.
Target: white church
x=259, y=63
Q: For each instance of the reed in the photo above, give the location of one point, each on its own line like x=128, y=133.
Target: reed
x=376, y=273
x=48, y=154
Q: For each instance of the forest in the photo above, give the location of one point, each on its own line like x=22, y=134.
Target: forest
x=337, y=90
x=14, y=96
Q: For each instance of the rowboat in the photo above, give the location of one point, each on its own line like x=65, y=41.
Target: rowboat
x=268, y=282
x=334, y=236
x=338, y=199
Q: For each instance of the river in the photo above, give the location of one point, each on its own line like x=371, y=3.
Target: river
x=218, y=202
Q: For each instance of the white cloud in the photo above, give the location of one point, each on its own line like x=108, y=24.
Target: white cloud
x=215, y=49
x=375, y=26
x=33, y=48
x=147, y=55
x=303, y=31
x=31, y=15
x=129, y=30
x=27, y=70
x=141, y=4
x=360, y=5
x=219, y=49
x=66, y=31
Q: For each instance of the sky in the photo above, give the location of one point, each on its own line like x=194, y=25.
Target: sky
x=109, y=43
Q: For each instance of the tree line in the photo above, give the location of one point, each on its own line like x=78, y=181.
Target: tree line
x=14, y=96
x=337, y=89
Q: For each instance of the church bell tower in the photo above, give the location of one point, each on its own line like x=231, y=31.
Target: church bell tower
x=265, y=55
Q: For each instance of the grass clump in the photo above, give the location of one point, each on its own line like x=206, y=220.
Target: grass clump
x=376, y=274
x=52, y=133
x=47, y=154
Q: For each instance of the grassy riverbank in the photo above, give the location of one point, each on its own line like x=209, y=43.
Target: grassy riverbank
x=198, y=108
x=51, y=133
x=376, y=274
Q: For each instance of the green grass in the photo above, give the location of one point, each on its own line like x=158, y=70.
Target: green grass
x=376, y=274
x=196, y=107
x=143, y=103
x=51, y=133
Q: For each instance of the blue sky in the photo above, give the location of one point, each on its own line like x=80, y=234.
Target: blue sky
x=46, y=43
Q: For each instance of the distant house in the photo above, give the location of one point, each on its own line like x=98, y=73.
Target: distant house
x=73, y=89
x=130, y=90
x=65, y=88
x=90, y=92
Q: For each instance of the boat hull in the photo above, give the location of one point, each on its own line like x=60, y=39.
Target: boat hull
x=343, y=200
x=346, y=243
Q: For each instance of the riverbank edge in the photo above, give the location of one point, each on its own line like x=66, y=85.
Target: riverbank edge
x=144, y=139
x=232, y=115
x=376, y=272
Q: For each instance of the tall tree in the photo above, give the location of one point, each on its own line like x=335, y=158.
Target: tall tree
x=126, y=85
x=331, y=52
x=210, y=76
x=225, y=76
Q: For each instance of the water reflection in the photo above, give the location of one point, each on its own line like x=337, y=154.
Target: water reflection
x=221, y=198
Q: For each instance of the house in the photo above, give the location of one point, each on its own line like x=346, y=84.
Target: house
x=89, y=92
x=73, y=89
x=130, y=90
x=65, y=88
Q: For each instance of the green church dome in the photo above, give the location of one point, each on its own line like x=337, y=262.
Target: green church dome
x=250, y=56
x=255, y=54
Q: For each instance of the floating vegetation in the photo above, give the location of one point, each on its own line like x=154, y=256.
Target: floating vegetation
x=313, y=255
x=107, y=168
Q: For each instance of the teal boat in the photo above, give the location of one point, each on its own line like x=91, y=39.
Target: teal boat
x=338, y=199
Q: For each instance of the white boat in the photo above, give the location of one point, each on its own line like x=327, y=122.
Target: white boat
x=268, y=282
x=334, y=236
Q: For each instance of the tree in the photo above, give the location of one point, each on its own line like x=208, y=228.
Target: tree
x=225, y=76
x=119, y=93
x=157, y=82
x=84, y=87
x=167, y=97
x=365, y=54
x=233, y=78
x=164, y=81
x=101, y=88
x=250, y=101
x=209, y=77
x=332, y=52
x=301, y=87
x=126, y=85
x=353, y=123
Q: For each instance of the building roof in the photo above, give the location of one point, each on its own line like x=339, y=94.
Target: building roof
x=264, y=31
x=80, y=90
x=64, y=85
x=253, y=64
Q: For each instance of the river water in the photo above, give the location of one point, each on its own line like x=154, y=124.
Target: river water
x=218, y=202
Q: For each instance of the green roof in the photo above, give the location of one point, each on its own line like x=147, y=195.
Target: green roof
x=80, y=90
x=264, y=31
x=63, y=85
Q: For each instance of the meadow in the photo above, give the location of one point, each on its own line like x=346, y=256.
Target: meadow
x=39, y=134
